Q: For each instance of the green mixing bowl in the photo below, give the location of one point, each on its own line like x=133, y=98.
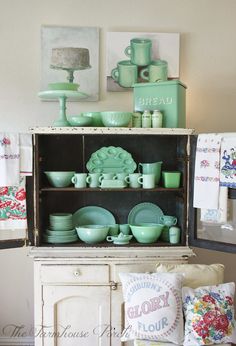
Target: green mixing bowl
x=116, y=119
x=147, y=232
x=96, y=118
x=92, y=234
x=59, y=179
x=79, y=120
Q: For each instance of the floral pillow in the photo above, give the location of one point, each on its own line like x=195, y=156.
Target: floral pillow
x=153, y=307
x=209, y=314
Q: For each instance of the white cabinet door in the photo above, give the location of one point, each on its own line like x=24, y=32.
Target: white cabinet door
x=76, y=316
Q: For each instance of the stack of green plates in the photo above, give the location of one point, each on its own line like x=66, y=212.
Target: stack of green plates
x=60, y=229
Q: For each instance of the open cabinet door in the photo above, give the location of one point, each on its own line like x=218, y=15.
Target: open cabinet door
x=12, y=238
x=212, y=236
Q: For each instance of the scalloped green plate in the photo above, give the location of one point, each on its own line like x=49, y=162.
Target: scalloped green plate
x=145, y=213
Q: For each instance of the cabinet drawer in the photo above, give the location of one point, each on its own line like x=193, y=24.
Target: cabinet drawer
x=84, y=274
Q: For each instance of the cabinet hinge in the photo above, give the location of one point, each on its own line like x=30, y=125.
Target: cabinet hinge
x=36, y=236
x=26, y=242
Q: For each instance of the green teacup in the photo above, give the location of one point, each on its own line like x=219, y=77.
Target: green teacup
x=113, y=229
x=125, y=229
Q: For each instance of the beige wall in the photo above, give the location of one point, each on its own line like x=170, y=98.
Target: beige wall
x=208, y=67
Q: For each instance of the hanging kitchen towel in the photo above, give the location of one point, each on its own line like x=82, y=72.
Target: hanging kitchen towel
x=228, y=162
x=26, y=154
x=13, y=206
x=9, y=159
x=207, y=171
x=217, y=215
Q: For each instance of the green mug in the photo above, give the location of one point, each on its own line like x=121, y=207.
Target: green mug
x=79, y=180
x=157, y=71
x=147, y=181
x=93, y=179
x=125, y=74
x=139, y=51
x=132, y=180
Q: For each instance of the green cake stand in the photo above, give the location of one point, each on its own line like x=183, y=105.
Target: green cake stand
x=62, y=96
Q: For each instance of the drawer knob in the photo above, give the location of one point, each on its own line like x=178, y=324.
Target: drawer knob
x=76, y=273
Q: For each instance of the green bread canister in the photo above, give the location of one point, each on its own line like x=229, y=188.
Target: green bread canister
x=169, y=97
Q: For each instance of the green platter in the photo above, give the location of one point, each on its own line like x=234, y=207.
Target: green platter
x=93, y=215
x=111, y=160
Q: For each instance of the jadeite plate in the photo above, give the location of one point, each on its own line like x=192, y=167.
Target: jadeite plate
x=111, y=160
x=93, y=215
x=58, y=234
x=145, y=212
x=55, y=240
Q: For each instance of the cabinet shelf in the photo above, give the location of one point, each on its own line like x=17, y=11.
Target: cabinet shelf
x=109, y=245
x=73, y=189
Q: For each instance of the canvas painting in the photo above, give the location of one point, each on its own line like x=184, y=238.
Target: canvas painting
x=164, y=46
x=77, y=37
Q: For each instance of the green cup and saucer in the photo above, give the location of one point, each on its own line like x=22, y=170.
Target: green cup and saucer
x=121, y=239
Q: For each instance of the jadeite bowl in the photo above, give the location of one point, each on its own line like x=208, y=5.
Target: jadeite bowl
x=96, y=118
x=92, y=234
x=116, y=119
x=147, y=232
x=59, y=179
x=79, y=120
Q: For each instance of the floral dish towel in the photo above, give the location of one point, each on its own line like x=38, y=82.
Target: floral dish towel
x=13, y=206
x=209, y=315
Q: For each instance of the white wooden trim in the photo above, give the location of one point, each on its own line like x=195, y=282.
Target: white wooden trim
x=27, y=341
x=112, y=252
x=110, y=130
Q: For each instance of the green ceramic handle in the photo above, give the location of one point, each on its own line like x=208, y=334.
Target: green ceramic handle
x=115, y=74
x=128, y=51
x=109, y=238
x=139, y=165
x=144, y=73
